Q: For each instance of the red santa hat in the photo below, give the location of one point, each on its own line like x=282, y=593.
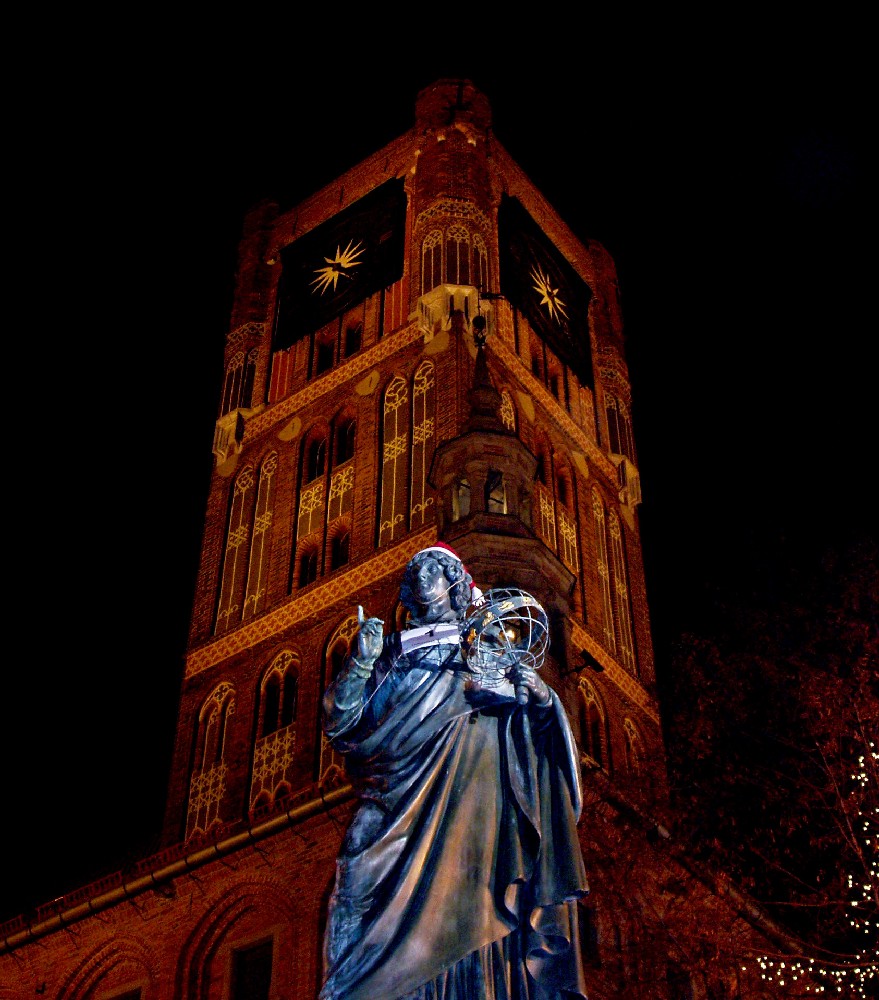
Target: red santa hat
x=475, y=592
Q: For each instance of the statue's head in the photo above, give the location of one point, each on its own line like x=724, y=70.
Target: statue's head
x=459, y=584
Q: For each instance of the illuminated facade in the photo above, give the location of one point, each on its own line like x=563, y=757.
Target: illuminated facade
x=359, y=421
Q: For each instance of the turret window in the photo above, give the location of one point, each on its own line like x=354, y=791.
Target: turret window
x=619, y=427
x=508, y=411
x=238, y=381
x=460, y=499
x=495, y=493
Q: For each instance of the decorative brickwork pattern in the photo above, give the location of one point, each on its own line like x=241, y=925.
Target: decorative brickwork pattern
x=318, y=598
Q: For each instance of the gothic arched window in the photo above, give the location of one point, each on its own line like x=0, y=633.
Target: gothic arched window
x=423, y=433
x=567, y=521
x=603, y=567
x=346, y=433
x=235, y=556
x=330, y=765
x=238, y=381
x=313, y=489
x=479, y=263
x=260, y=545
x=619, y=426
x=276, y=732
x=431, y=261
x=458, y=255
x=495, y=493
x=353, y=338
x=460, y=499
x=394, y=474
x=340, y=550
x=508, y=411
x=308, y=565
x=316, y=459
x=207, y=786
x=593, y=733
x=634, y=748
x=622, y=600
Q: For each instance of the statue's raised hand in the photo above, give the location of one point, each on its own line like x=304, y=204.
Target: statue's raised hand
x=370, y=638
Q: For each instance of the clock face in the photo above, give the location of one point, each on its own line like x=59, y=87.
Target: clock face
x=542, y=284
x=339, y=266
x=550, y=297
x=339, y=263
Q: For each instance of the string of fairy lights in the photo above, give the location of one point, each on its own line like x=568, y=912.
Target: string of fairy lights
x=851, y=978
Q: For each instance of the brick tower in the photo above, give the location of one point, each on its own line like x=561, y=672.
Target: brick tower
x=420, y=351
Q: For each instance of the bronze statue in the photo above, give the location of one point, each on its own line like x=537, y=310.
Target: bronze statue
x=459, y=874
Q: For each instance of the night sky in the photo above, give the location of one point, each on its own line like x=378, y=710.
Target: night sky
x=727, y=181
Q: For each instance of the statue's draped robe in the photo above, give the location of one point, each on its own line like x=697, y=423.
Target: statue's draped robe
x=461, y=868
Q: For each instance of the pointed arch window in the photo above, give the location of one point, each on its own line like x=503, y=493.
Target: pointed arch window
x=634, y=748
x=273, y=754
x=207, y=787
x=258, y=567
x=312, y=493
x=508, y=411
x=458, y=255
x=308, y=564
x=461, y=499
x=603, y=567
x=431, y=261
x=324, y=352
x=495, y=493
x=346, y=435
x=423, y=433
x=479, y=267
x=622, y=601
x=567, y=524
x=330, y=768
x=235, y=557
x=395, y=433
x=593, y=732
x=619, y=427
x=353, y=338
x=316, y=459
x=340, y=550
x=238, y=381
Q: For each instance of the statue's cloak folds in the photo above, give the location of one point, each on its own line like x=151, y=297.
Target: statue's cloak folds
x=463, y=859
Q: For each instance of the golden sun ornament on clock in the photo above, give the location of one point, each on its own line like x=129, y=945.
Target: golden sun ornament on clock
x=337, y=267
x=549, y=295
